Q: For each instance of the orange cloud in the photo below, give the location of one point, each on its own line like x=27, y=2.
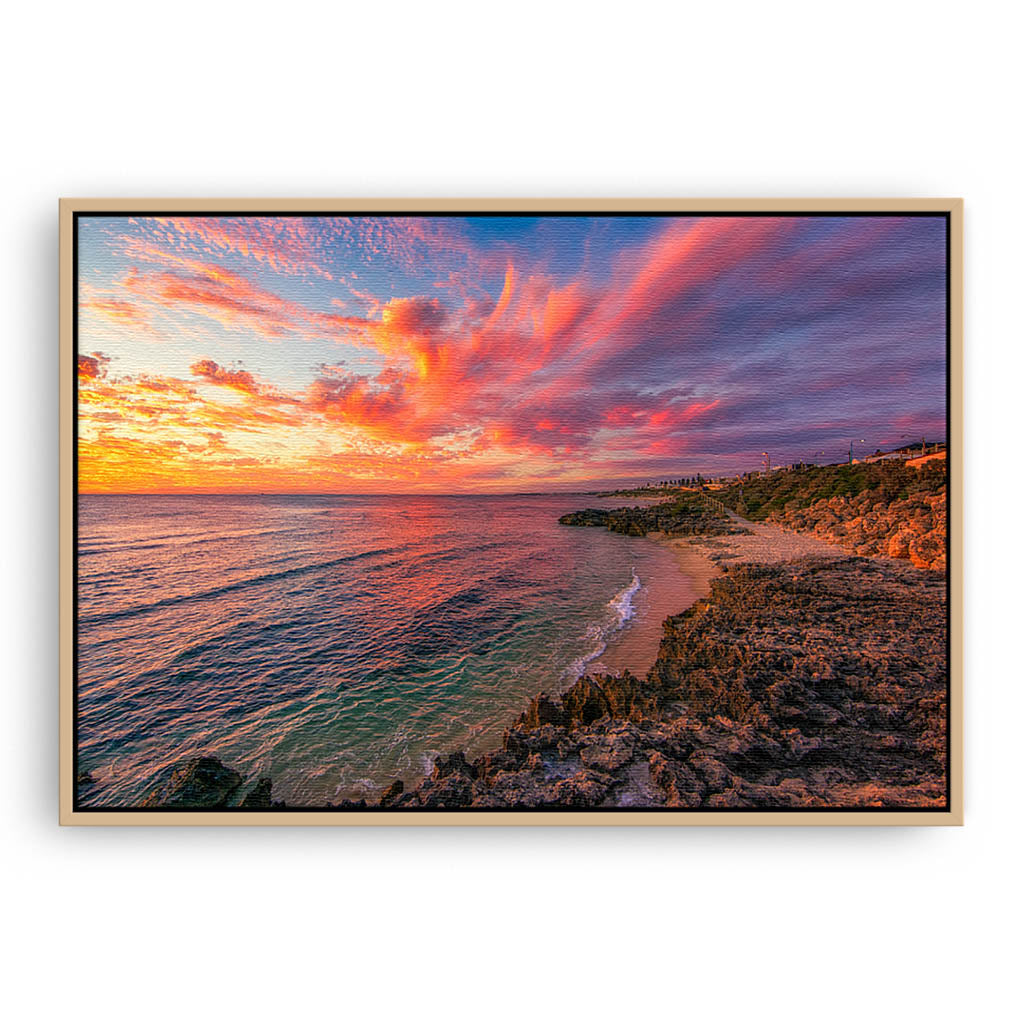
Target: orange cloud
x=118, y=310
x=92, y=367
x=415, y=316
x=239, y=380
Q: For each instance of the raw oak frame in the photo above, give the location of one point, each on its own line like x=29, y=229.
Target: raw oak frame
x=953, y=815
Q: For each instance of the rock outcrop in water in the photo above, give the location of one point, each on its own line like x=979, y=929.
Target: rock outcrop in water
x=683, y=517
x=195, y=782
x=85, y=786
x=204, y=782
x=259, y=798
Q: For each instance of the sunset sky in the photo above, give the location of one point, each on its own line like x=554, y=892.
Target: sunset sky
x=479, y=354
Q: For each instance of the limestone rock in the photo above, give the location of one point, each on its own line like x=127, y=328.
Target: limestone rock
x=392, y=793
x=929, y=551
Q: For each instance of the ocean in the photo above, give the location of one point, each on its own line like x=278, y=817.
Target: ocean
x=337, y=643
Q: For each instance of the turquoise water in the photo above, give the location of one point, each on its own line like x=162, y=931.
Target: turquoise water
x=334, y=643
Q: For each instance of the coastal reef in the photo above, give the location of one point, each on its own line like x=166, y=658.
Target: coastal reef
x=684, y=516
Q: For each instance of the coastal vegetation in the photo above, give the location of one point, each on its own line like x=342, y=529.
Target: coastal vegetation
x=876, y=509
x=788, y=490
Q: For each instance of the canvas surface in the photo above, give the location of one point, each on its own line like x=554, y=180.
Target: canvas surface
x=537, y=512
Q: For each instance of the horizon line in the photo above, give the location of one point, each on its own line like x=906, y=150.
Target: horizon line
x=333, y=494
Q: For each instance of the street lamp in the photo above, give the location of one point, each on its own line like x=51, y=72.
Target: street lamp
x=767, y=463
x=852, y=443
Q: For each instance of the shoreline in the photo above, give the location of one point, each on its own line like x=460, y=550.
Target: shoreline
x=763, y=694
x=634, y=648
x=700, y=560
x=693, y=562
x=789, y=674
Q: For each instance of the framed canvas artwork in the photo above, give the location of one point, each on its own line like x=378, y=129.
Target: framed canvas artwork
x=511, y=512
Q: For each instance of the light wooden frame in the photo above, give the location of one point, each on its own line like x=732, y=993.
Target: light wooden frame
x=954, y=815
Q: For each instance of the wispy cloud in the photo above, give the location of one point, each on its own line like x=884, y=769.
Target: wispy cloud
x=477, y=360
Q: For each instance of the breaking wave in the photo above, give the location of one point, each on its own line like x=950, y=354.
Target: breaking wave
x=598, y=634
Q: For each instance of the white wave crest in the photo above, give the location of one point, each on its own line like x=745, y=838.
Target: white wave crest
x=622, y=609
x=622, y=602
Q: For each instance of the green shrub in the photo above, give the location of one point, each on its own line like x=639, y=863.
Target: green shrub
x=791, y=490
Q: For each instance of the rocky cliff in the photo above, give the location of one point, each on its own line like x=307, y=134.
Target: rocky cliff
x=913, y=528
x=810, y=684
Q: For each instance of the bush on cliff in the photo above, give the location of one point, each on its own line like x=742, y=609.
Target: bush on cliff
x=788, y=490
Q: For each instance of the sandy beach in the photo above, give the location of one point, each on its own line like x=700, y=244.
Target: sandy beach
x=763, y=544
x=700, y=560
x=684, y=578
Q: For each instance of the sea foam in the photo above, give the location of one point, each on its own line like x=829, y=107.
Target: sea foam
x=597, y=635
x=622, y=602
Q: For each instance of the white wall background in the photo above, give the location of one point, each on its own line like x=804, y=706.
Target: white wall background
x=771, y=99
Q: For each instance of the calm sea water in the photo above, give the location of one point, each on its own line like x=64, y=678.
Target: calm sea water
x=334, y=643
